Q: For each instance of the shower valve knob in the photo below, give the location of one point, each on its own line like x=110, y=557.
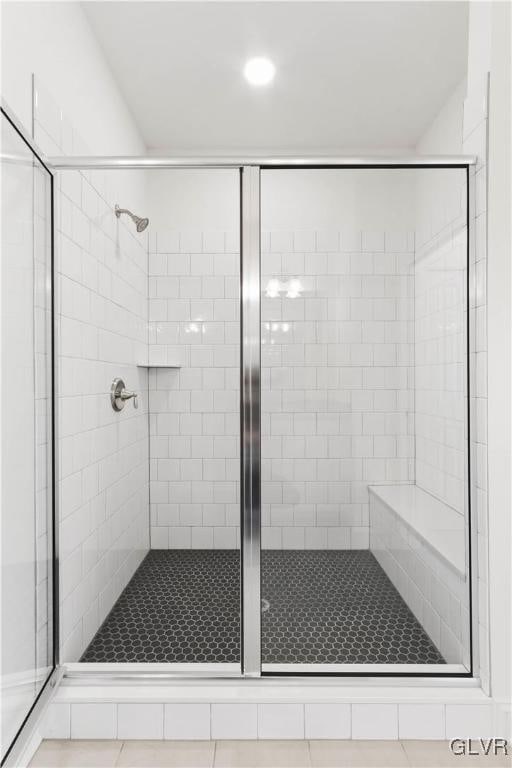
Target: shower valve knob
x=119, y=395
x=128, y=396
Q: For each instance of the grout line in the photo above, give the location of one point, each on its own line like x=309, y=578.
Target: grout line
x=118, y=758
x=310, y=757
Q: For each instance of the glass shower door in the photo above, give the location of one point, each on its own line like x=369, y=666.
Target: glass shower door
x=364, y=458
x=177, y=606
x=27, y=471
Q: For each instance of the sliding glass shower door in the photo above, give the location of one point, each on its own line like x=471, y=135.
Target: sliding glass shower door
x=176, y=606
x=306, y=390
x=27, y=433
x=364, y=515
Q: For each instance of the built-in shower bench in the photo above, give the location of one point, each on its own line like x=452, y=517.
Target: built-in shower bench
x=438, y=525
x=420, y=543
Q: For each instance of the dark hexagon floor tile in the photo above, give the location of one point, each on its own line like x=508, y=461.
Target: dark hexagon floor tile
x=325, y=607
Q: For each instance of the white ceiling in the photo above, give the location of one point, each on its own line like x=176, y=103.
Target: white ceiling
x=349, y=74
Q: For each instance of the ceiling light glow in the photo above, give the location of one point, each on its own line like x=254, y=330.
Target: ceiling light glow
x=259, y=71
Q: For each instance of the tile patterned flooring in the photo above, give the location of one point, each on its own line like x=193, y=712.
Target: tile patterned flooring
x=255, y=754
x=324, y=607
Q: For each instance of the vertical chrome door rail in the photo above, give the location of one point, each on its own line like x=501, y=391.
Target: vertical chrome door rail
x=250, y=421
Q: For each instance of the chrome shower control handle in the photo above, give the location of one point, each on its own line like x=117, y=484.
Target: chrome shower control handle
x=119, y=395
x=125, y=395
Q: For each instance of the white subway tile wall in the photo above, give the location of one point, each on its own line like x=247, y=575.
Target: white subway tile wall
x=102, y=333
x=337, y=381
x=440, y=337
x=421, y=719
x=194, y=324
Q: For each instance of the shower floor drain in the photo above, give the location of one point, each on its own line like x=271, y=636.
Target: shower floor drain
x=265, y=605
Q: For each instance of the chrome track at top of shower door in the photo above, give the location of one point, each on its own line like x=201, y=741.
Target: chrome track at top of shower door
x=113, y=162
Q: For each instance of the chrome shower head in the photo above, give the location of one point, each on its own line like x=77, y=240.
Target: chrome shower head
x=140, y=223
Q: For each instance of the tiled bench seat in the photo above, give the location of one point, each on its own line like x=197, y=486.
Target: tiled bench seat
x=420, y=543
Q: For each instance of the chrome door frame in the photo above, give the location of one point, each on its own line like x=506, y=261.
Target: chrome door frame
x=250, y=411
x=250, y=168
x=467, y=164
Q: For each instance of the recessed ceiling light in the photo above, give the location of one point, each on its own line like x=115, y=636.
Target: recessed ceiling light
x=259, y=71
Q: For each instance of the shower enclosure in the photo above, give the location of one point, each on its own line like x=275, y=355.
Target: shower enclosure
x=292, y=494
x=307, y=397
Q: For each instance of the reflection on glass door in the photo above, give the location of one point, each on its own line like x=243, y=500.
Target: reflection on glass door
x=364, y=406
x=27, y=474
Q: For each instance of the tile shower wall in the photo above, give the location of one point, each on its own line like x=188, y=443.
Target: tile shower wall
x=441, y=402
x=194, y=389
x=337, y=372
x=476, y=142
x=102, y=333
x=440, y=278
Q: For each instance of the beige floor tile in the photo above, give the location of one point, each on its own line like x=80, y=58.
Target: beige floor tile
x=437, y=754
x=262, y=754
x=76, y=754
x=166, y=754
x=357, y=754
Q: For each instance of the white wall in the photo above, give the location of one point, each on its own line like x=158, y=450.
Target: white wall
x=475, y=142
x=500, y=332
x=54, y=40
x=444, y=135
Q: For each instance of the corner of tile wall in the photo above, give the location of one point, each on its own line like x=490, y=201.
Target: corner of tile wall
x=475, y=142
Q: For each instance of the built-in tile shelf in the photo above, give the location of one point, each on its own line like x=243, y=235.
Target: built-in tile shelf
x=158, y=365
